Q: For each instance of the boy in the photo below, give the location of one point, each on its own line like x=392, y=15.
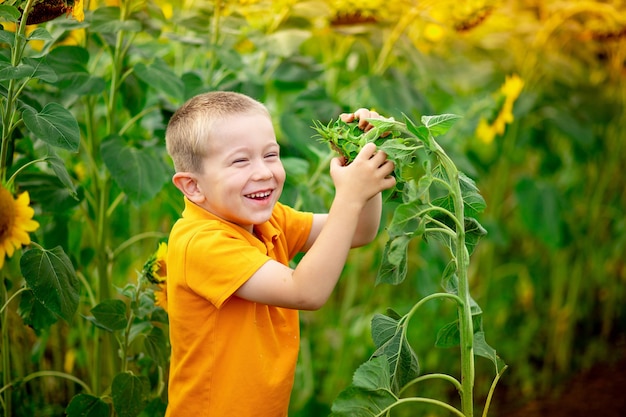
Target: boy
x=233, y=300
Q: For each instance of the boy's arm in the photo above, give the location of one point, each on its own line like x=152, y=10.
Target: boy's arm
x=308, y=286
x=366, y=229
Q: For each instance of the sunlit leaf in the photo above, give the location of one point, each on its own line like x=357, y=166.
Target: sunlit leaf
x=439, y=124
x=9, y=14
x=55, y=125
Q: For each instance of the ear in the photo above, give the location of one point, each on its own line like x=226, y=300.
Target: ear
x=188, y=185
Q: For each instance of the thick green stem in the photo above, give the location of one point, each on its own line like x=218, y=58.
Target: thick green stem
x=13, y=90
x=465, y=314
x=6, y=353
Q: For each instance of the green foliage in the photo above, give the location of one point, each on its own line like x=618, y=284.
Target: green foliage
x=439, y=205
x=84, y=107
x=51, y=276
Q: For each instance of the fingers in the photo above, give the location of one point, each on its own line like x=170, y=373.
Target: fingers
x=378, y=158
x=361, y=115
x=337, y=162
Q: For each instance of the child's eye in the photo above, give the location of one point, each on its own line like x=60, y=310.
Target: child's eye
x=240, y=161
x=272, y=155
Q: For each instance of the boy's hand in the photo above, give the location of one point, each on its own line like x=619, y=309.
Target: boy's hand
x=366, y=176
x=361, y=115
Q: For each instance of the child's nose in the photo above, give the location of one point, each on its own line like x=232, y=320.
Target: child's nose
x=262, y=171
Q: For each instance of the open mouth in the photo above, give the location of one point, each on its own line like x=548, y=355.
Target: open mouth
x=259, y=196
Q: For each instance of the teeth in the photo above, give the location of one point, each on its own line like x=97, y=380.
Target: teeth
x=259, y=195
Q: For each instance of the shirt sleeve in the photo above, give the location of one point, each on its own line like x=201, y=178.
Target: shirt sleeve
x=222, y=261
x=297, y=226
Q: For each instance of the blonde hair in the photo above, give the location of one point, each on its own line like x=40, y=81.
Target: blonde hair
x=191, y=126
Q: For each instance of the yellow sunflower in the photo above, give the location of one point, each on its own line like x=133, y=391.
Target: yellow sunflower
x=155, y=270
x=160, y=296
x=507, y=95
x=16, y=220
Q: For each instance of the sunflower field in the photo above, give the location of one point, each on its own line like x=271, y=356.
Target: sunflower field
x=538, y=94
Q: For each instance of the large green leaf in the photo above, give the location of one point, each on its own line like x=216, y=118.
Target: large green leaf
x=8, y=38
x=110, y=315
x=86, y=405
x=39, y=34
x=369, y=394
x=34, y=314
x=161, y=77
x=54, y=125
x=70, y=63
x=406, y=219
x=473, y=202
x=59, y=168
x=138, y=172
x=439, y=124
x=393, y=267
x=107, y=20
x=156, y=346
x=41, y=69
x=481, y=348
x=390, y=339
x=130, y=394
x=49, y=192
x=9, y=14
x=51, y=276
x=9, y=72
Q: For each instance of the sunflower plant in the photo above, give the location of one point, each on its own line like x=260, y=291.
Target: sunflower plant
x=46, y=281
x=42, y=86
x=437, y=203
x=138, y=321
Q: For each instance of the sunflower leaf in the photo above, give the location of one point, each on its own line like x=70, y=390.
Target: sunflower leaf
x=55, y=125
x=86, y=405
x=51, y=276
x=138, y=171
x=130, y=394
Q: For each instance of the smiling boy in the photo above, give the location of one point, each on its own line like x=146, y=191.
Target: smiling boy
x=233, y=300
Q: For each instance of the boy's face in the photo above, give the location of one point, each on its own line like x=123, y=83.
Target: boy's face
x=243, y=176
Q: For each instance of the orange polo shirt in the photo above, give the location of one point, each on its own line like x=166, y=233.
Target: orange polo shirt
x=230, y=357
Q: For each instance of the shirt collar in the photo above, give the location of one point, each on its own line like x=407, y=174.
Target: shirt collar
x=266, y=232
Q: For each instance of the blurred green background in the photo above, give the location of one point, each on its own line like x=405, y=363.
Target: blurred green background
x=541, y=86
